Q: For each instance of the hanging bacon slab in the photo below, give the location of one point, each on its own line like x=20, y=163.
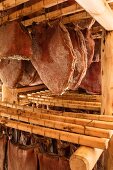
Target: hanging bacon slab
x=79, y=47
x=53, y=57
x=10, y=72
x=21, y=158
x=92, y=81
x=2, y=151
x=15, y=41
x=52, y=162
x=30, y=76
x=90, y=45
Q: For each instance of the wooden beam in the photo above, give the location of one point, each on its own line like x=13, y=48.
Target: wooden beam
x=39, y=6
x=85, y=158
x=54, y=14
x=100, y=10
x=77, y=11
x=107, y=73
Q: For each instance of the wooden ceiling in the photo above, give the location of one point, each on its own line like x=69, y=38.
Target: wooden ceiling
x=29, y=11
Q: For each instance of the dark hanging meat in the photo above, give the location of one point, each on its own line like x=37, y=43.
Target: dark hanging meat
x=21, y=158
x=10, y=72
x=2, y=151
x=92, y=81
x=79, y=47
x=30, y=76
x=97, y=53
x=53, y=56
x=90, y=45
x=52, y=162
x=15, y=41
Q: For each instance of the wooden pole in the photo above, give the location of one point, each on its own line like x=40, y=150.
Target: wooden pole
x=107, y=88
x=84, y=158
x=107, y=73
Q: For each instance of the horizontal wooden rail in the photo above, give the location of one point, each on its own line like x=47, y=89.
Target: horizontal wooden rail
x=95, y=142
x=66, y=103
x=84, y=115
x=37, y=120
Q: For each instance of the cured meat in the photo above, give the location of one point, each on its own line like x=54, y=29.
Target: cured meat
x=10, y=72
x=92, y=81
x=54, y=57
x=15, y=41
x=30, y=76
x=79, y=46
x=90, y=45
x=21, y=158
x=2, y=151
x=52, y=162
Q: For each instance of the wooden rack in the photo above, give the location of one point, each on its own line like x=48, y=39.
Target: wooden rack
x=67, y=100
x=93, y=133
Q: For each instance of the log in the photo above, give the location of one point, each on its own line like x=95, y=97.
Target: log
x=85, y=158
x=94, y=142
x=107, y=73
x=101, y=11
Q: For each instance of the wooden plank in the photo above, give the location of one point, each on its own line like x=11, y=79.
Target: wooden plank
x=107, y=73
x=85, y=158
x=95, y=142
x=100, y=10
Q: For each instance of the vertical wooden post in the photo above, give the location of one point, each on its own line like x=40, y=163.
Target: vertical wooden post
x=9, y=95
x=107, y=73
x=107, y=88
